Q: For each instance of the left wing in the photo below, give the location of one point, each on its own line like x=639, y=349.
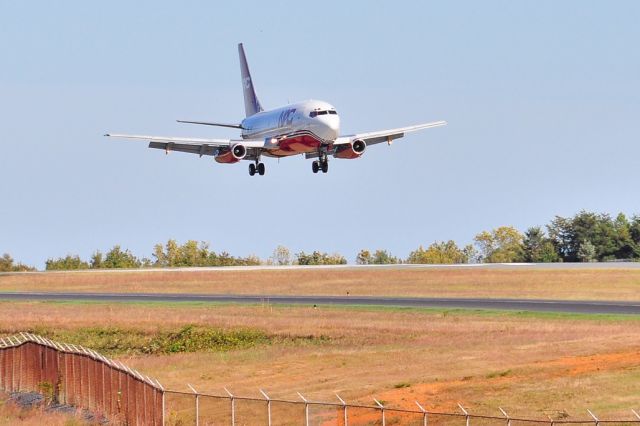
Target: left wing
x=372, y=138
x=191, y=145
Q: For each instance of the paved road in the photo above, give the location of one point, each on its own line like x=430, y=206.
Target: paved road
x=573, y=306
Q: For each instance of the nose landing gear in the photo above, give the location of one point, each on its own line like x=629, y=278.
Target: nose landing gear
x=256, y=167
x=321, y=164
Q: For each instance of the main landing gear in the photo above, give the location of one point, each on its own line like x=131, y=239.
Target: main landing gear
x=321, y=164
x=256, y=167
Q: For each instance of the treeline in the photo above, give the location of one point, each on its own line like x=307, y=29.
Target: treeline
x=585, y=237
x=7, y=264
x=169, y=255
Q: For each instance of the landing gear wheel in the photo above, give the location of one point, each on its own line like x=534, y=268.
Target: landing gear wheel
x=261, y=169
x=315, y=167
x=252, y=169
x=325, y=166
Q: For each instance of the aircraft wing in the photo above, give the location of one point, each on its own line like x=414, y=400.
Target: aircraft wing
x=372, y=138
x=190, y=145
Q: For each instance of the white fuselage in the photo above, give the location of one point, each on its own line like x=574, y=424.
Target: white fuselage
x=317, y=117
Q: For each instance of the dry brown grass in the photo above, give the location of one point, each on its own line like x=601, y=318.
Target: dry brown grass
x=11, y=414
x=529, y=364
x=594, y=284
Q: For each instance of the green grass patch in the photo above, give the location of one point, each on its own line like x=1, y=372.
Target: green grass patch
x=445, y=312
x=189, y=338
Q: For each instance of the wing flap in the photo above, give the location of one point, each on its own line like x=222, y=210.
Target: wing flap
x=189, y=148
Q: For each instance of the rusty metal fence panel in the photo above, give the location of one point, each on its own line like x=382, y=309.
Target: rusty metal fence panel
x=77, y=376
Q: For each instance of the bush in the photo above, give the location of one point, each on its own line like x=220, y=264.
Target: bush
x=67, y=263
x=318, y=258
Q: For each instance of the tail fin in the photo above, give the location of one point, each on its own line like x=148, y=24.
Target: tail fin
x=251, y=102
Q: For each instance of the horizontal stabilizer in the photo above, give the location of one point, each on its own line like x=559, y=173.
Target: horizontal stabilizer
x=208, y=123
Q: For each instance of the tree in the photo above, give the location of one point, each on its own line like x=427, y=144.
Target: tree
x=67, y=263
x=537, y=247
x=364, y=257
x=611, y=239
x=7, y=265
x=634, y=234
x=501, y=245
x=440, y=253
x=380, y=257
x=96, y=260
x=281, y=256
x=318, y=258
x=470, y=254
x=587, y=252
x=116, y=258
x=561, y=233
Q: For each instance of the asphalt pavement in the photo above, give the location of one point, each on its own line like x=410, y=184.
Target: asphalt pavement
x=535, y=305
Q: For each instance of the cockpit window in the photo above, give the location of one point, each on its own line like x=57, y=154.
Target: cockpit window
x=323, y=112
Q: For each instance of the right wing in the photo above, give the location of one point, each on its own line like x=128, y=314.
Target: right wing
x=372, y=138
x=192, y=145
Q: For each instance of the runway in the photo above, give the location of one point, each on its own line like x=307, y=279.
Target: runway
x=534, y=305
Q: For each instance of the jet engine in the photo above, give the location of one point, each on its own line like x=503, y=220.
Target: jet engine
x=353, y=150
x=232, y=155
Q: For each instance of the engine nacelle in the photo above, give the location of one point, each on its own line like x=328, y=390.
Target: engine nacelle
x=232, y=155
x=354, y=150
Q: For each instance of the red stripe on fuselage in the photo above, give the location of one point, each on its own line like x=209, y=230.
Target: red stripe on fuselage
x=298, y=144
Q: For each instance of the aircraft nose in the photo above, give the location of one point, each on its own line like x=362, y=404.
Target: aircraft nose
x=333, y=123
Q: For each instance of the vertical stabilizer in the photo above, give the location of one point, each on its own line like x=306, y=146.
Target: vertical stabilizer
x=251, y=103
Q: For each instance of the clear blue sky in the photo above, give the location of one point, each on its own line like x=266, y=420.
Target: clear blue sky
x=542, y=100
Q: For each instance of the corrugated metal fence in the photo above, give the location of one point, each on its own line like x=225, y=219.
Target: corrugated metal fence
x=70, y=374
x=73, y=375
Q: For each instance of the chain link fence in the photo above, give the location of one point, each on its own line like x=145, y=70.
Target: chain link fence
x=80, y=377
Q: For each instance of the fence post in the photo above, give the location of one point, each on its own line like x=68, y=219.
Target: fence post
x=233, y=407
x=197, y=404
x=163, y=402
x=384, y=423
x=306, y=409
x=344, y=406
x=268, y=406
x=507, y=416
x=465, y=413
x=597, y=422
x=425, y=421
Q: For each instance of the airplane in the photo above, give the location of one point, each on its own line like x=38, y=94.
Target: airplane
x=310, y=128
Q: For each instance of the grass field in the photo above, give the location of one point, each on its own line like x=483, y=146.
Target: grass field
x=593, y=284
x=530, y=364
